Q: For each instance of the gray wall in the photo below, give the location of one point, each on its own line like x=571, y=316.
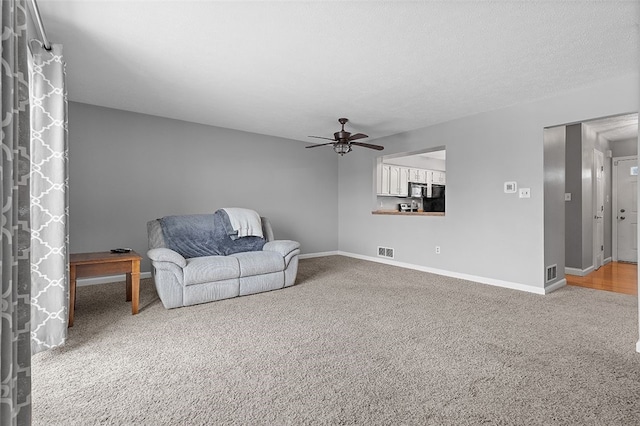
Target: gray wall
x=128, y=168
x=554, y=140
x=485, y=233
x=588, y=144
x=624, y=148
x=573, y=185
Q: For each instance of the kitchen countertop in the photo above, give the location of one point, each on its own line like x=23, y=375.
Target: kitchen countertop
x=398, y=213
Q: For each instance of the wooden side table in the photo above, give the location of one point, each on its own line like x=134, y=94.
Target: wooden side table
x=83, y=265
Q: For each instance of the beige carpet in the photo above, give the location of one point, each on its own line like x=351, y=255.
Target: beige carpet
x=353, y=342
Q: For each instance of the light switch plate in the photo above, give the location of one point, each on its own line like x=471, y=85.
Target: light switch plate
x=525, y=192
x=510, y=187
x=567, y=196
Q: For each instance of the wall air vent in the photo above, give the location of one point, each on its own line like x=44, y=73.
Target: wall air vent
x=385, y=252
x=552, y=272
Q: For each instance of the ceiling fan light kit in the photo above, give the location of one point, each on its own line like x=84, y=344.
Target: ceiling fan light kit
x=343, y=141
x=342, y=148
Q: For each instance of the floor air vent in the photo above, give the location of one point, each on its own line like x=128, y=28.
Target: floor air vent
x=385, y=252
x=552, y=272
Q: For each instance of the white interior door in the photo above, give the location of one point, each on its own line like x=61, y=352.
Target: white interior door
x=627, y=209
x=598, y=209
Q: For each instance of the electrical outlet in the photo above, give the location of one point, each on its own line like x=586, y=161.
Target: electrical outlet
x=525, y=192
x=437, y=249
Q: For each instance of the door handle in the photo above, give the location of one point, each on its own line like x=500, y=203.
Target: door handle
x=621, y=217
x=621, y=210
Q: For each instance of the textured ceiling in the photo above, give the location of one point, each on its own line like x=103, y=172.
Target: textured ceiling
x=291, y=69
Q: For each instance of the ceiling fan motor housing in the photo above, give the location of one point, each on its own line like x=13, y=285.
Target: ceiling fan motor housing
x=341, y=135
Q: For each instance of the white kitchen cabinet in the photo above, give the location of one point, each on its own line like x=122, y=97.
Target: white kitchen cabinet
x=428, y=176
x=384, y=173
x=438, y=178
x=398, y=181
x=403, y=187
x=418, y=175
x=394, y=180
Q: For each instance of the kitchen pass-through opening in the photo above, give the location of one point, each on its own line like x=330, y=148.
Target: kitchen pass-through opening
x=412, y=183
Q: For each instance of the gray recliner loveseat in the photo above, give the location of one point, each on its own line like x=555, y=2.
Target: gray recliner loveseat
x=183, y=281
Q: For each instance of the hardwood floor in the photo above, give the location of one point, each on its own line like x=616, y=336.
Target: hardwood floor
x=614, y=276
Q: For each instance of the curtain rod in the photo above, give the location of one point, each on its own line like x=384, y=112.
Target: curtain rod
x=45, y=41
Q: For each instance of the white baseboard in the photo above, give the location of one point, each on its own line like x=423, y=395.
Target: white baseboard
x=578, y=272
x=474, y=278
x=607, y=260
x=108, y=279
x=555, y=286
x=319, y=254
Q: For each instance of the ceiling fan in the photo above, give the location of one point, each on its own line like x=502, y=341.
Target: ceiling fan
x=342, y=140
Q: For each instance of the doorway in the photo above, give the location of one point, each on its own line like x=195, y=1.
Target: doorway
x=625, y=209
x=578, y=164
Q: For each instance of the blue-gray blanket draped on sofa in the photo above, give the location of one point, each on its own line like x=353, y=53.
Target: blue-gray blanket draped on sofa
x=201, y=235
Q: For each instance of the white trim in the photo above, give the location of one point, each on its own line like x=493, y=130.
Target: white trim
x=578, y=272
x=614, y=209
x=319, y=254
x=594, y=198
x=475, y=278
x=108, y=279
x=638, y=346
x=555, y=286
x=607, y=260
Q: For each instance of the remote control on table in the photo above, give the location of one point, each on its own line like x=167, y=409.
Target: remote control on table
x=121, y=250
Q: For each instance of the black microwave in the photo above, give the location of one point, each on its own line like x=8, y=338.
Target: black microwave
x=435, y=191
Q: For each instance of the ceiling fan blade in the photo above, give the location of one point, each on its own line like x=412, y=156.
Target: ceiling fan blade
x=322, y=137
x=357, y=136
x=320, y=144
x=368, y=145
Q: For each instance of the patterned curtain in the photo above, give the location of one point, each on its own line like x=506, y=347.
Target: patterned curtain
x=15, y=348
x=49, y=199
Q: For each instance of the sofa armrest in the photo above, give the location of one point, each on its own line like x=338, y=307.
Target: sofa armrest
x=284, y=247
x=166, y=255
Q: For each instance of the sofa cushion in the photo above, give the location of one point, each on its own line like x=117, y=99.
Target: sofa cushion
x=259, y=262
x=210, y=268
